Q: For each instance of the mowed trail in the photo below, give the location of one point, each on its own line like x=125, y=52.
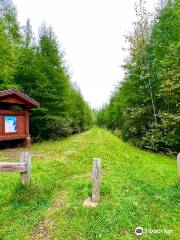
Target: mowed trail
x=138, y=188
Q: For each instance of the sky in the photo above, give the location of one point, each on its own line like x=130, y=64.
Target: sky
x=91, y=33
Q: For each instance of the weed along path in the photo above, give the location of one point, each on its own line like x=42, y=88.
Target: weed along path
x=137, y=189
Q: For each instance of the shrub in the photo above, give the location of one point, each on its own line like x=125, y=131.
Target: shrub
x=165, y=136
x=44, y=126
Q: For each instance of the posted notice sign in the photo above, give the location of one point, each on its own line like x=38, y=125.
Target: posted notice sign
x=10, y=124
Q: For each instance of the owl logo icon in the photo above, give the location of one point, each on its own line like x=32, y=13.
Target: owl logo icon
x=139, y=231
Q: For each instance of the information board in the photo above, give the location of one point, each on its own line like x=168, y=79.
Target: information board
x=10, y=124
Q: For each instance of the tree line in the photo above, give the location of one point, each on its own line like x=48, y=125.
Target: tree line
x=36, y=66
x=145, y=107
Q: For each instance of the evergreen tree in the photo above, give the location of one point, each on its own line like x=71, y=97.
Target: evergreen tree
x=38, y=69
x=145, y=107
x=9, y=44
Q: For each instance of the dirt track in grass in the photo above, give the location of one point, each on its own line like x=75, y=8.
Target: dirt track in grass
x=138, y=188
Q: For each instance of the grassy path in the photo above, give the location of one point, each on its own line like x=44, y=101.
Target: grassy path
x=138, y=189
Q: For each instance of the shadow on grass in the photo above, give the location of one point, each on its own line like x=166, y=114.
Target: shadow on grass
x=26, y=195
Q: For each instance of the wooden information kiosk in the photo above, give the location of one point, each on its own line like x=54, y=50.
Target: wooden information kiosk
x=14, y=115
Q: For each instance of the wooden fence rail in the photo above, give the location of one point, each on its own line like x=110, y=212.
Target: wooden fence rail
x=23, y=167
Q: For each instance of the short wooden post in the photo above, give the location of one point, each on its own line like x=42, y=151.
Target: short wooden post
x=96, y=174
x=27, y=141
x=25, y=157
x=96, y=179
x=178, y=167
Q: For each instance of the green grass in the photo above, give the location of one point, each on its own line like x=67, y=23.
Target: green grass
x=138, y=188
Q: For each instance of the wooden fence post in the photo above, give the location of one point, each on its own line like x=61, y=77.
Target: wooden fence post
x=96, y=174
x=96, y=179
x=25, y=157
x=178, y=167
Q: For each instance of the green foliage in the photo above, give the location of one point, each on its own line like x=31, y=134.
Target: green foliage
x=38, y=69
x=146, y=106
x=51, y=127
x=165, y=136
x=9, y=45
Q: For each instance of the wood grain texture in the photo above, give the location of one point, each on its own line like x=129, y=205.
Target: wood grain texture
x=24, y=167
x=96, y=179
x=12, y=167
x=25, y=158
